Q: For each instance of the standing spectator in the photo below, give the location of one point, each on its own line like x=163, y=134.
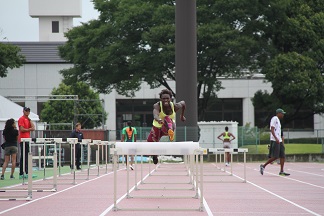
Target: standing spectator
x=76, y=133
x=226, y=143
x=164, y=113
x=277, y=147
x=25, y=125
x=10, y=134
x=129, y=134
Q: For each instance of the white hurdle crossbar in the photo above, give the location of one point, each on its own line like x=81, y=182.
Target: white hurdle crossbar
x=231, y=151
x=157, y=148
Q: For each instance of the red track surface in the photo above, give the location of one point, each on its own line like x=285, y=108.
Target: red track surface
x=302, y=193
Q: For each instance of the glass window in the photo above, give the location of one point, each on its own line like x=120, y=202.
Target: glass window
x=55, y=26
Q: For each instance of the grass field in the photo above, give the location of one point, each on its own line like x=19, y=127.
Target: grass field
x=290, y=148
x=39, y=173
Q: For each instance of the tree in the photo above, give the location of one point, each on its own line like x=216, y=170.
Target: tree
x=134, y=41
x=88, y=109
x=295, y=63
x=9, y=58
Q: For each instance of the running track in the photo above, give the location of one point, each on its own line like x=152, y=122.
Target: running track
x=302, y=193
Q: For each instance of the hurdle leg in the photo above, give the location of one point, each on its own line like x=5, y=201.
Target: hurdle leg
x=231, y=163
x=55, y=171
x=115, y=179
x=197, y=174
x=127, y=185
x=201, y=181
x=106, y=157
x=88, y=162
x=135, y=162
x=60, y=161
x=39, y=158
x=30, y=176
x=97, y=161
x=23, y=161
x=244, y=155
x=44, y=161
x=73, y=161
x=141, y=169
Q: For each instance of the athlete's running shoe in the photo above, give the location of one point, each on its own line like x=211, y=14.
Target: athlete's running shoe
x=284, y=174
x=261, y=169
x=155, y=159
x=171, y=134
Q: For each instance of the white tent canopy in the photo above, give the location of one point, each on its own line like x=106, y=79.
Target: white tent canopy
x=9, y=109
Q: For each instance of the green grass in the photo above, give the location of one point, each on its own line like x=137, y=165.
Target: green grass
x=39, y=173
x=290, y=148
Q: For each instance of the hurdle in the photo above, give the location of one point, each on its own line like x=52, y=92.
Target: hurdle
x=42, y=142
x=231, y=151
x=29, y=189
x=158, y=148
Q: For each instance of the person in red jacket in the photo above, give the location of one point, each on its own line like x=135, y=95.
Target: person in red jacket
x=25, y=125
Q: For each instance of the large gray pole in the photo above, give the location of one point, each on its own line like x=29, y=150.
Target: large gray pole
x=186, y=67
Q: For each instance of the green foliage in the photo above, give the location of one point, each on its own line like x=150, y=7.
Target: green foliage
x=295, y=62
x=87, y=110
x=134, y=41
x=9, y=58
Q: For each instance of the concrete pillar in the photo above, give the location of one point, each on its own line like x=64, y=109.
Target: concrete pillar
x=248, y=112
x=186, y=67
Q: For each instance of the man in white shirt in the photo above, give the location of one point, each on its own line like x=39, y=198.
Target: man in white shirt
x=276, y=144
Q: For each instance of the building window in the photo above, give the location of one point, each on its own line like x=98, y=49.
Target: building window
x=225, y=109
x=55, y=26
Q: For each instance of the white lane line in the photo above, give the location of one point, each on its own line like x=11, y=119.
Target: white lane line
x=280, y=197
x=292, y=179
x=206, y=207
x=122, y=197
x=53, y=194
x=307, y=172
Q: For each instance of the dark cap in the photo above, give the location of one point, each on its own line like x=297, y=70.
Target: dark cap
x=279, y=110
x=26, y=109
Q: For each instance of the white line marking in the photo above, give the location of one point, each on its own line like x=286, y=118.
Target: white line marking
x=122, y=197
x=290, y=178
x=280, y=197
x=53, y=194
x=306, y=172
x=209, y=212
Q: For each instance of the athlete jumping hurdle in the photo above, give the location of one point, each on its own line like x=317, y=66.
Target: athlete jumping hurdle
x=164, y=118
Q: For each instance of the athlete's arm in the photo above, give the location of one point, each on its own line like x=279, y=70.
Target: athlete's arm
x=156, y=113
x=181, y=105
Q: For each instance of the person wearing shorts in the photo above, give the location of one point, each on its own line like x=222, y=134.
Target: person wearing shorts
x=10, y=134
x=277, y=148
x=227, y=138
x=129, y=134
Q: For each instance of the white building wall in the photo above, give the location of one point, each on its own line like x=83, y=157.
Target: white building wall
x=59, y=10
x=45, y=28
x=39, y=8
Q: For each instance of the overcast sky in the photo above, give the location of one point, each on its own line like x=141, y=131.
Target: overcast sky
x=17, y=25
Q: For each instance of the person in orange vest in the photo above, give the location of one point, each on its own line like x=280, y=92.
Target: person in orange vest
x=129, y=134
x=226, y=143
